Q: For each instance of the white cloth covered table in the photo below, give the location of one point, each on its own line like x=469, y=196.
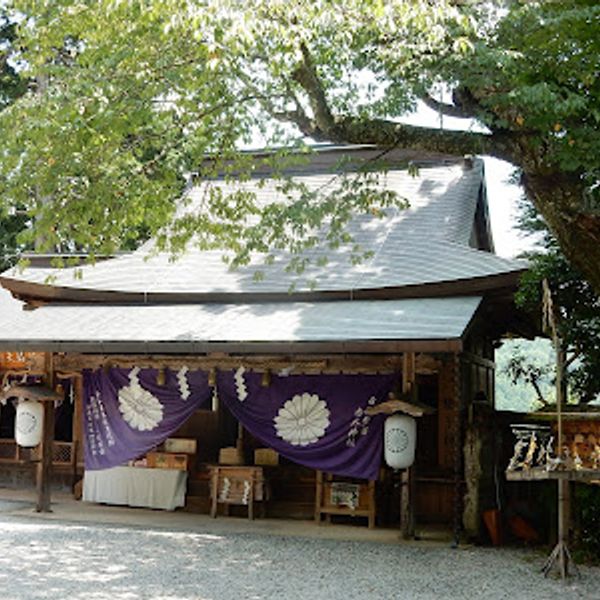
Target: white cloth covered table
x=134, y=486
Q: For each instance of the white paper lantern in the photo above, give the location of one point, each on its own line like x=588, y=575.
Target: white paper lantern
x=29, y=423
x=400, y=441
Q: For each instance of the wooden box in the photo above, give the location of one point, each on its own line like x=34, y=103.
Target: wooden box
x=167, y=460
x=344, y=496
x=237, y=485
x=231, y=456
x=266, y=457
x=181, y=445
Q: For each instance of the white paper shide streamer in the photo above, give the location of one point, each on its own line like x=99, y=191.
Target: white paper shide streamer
x=240, y=384
x=182, y=382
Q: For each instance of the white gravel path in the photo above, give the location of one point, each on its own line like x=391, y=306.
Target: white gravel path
x=64, y=561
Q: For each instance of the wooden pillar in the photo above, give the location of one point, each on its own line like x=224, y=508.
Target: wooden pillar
x=44, y=466
x=318, y=495
x=458, y=448
x=408, y=495
x=77, y=382
x=564, y=513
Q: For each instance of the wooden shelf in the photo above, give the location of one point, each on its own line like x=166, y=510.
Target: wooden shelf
x=365, y=500
x=543, y=475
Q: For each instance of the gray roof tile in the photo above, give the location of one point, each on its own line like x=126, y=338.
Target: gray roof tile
x=422, y=319
x=424, y=244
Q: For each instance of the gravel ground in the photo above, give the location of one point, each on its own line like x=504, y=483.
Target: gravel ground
x=60, y=560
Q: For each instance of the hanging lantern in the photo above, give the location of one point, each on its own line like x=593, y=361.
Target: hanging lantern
x=400, y=440
x=29, y=423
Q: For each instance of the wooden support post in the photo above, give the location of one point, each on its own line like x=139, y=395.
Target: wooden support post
x=407, y=492
x=560, y=556
x=371, y=492
x=318, y=495
x=77, y=427
x=564, y=488
x=239, y=443
x=214, y=492
x=251, y=496
x=458, y=450
x=44, y=466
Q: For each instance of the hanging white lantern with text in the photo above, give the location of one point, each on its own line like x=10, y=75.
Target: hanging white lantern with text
x=29, y=423
x=400, y=441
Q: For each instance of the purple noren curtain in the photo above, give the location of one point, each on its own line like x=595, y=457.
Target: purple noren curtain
x=126, y=413
x=315, y=420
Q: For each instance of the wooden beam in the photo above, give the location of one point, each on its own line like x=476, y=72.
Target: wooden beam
x=550, y=416
x=393, y=405
x=478, y=360
x=20, y=373
x=203, y=348
x=68, y=364
x=426, y=364
x=37, y=393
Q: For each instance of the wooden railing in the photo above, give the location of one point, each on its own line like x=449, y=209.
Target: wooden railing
x=63, y=453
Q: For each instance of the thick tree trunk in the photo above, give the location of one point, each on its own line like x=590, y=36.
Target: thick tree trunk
x=560, y=200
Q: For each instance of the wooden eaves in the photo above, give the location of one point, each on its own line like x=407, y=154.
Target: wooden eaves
x=39, y=294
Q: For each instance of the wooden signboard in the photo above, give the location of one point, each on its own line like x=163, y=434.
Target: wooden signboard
x=20, y=361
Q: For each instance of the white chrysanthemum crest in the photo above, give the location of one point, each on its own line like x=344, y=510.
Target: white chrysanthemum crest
x=302, y=420
x=140, y=409
x=182, y=382
x=240, y=384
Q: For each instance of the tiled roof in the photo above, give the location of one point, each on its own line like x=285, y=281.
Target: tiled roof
x=426, y=243
x=67, y=327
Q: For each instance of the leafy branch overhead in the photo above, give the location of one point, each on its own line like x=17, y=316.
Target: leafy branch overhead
x=132, y=96
x=576, y=308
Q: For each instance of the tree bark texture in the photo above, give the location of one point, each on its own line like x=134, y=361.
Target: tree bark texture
x=559, y=198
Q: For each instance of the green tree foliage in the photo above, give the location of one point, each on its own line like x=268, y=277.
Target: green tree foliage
x=519, y=363
x=12, y=86
x=130, y=95
x=578, y=307
x=587, y=517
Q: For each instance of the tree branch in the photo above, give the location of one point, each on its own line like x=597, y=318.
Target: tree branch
x=306, y=76
x=382, y=132
x=538, y=392
x=385, y=133
x=449, y=110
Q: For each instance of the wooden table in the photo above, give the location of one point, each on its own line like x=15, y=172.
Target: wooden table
x=237, y=485
x=136, y=486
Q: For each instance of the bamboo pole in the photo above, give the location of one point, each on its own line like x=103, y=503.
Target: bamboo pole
x=560, y=556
